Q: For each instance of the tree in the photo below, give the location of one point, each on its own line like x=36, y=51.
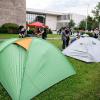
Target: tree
x=90, y=22
x=40, y=19
x=71, y=23
x=94, y=24
x=82, y=25
x=96, y=13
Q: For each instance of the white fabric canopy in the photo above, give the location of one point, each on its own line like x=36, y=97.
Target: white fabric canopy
x=86, y=49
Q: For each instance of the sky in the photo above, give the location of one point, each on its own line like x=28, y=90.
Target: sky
x=82, y=7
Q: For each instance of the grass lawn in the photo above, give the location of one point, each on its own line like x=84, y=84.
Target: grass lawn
x=4, y=36
x=54, y=36
x=85, y=85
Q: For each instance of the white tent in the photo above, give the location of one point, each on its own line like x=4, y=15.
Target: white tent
x=86, y=49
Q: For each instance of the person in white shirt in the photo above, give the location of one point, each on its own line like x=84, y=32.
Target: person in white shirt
x=96, y=32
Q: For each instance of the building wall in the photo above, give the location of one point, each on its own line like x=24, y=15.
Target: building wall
x=51, y=21
x=65, y=19
x=13, y=11
x=31, y=16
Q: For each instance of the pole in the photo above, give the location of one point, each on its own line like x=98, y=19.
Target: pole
x=87, y=17
x=86, y=25
x=99, y=21
x=99, y=25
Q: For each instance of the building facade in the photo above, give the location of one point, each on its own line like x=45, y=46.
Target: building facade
x=55, y=20
x=13, y=11
x=49, y=18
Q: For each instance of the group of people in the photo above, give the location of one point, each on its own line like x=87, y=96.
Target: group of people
x=65, y=32
x=38, y=32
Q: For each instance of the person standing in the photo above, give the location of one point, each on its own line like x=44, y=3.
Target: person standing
x=22, y=31
x=67, y=31
x=78, y=34
x=38, y=32
x=44, y=34
x=65, y=37
x=96, y=32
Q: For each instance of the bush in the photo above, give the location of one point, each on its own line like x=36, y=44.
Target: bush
x=9, y=28
x=76, y=28
x=30, y=32
x=89, y=33
x=3, y=30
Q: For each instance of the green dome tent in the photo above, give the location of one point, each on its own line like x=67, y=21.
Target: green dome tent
x=31, y=65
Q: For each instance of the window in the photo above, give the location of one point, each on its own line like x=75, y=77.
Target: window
x=31, y=17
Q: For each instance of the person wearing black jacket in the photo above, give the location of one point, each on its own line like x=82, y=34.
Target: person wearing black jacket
x=44, y=34
x=65, y=37
x=21, y=31
x=67, y=31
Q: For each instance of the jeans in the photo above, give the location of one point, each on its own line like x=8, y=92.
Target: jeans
x=65, y=43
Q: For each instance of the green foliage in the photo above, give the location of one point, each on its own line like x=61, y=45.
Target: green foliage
x=30, y=32
x=40, y=19
x=89, y=33
x=96, y=13
x=89, y=23
x=9, y=28
x=82, y=25
x=76, y=28
x=3, y=30
x=92, y=22
x=71, y=23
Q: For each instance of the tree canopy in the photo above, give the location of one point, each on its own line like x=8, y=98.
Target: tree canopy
x=71, y=23
x=90, y=23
